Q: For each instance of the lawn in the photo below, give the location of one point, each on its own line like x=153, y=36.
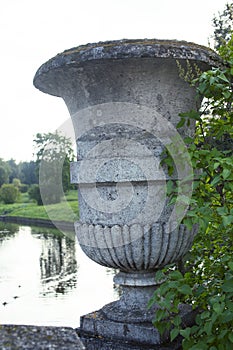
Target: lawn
x=66, y=210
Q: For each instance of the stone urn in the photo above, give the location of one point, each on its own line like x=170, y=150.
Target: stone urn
x=124, y=98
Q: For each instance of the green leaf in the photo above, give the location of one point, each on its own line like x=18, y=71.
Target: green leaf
x=222, y=210
x=194, y=115
x=215, y=180
x=202, y=88
x=227, y=317
x=222, y=333
x=170, y=187
x=200, y=346
x=176, y=275
x=226, y=173
x=159, y=276
x=161, y=314
x=181, y=123
x=226, y=94
x=188, y=140
x=223, y=77
x=185, y=332
x=217, y=308
x=177, y=320
x=150, y=303
x=228, y=286
x=205, y=314
x=216, y=165
x=227, y=220
x=185, y=289
x=208, y=328
x=230, y=337
x=174, y=333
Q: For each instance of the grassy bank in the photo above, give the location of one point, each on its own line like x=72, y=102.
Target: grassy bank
x=66, y=210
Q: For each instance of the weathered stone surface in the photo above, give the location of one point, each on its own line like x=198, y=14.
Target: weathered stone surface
x=14, y=337
x=97, y=324
x=102, y=343
x=118, y=50
x=136, y=247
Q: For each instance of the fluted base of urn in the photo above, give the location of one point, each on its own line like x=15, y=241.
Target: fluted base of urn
x=136, y=247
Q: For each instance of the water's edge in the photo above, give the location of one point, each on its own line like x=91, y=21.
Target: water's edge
x=64, y=225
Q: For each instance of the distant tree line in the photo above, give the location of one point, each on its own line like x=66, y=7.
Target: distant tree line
x=46, y=179
x=26, y=172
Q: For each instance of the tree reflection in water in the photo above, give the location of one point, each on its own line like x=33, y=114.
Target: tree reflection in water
x=7, y=230
x=117, y=288
x=58, y=263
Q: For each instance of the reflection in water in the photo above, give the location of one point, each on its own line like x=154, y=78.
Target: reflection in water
x=7, y=230
x=58, y=264
x=46, y=279
x=117, y=288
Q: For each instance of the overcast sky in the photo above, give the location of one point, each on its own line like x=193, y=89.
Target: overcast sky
x=32, y=31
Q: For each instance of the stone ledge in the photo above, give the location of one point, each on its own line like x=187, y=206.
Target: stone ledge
x=21, y=337
x=14, y=337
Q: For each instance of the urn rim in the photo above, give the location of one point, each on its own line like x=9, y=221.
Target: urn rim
x=127, y=49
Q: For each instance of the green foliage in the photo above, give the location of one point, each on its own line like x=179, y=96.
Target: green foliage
x=16, y=182
x=27, y=172
x=223, y=26
x=24, y=171
x=66, y=211
x=54, y=153
x=13, y=169
x=9, y=193
x=23, y=188
x=206, y=281
x=189, y=71
x=34, y=193
x=4, y=174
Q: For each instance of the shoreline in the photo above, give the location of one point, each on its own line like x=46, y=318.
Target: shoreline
x=62, y=225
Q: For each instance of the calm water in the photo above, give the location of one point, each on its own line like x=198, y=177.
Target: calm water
x=46, y=279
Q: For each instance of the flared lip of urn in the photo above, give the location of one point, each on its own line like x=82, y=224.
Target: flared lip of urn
x=123, y=50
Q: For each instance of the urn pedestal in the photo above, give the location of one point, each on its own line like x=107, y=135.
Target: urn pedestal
x=124, y=98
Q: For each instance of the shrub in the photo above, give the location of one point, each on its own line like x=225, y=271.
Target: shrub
x=205, y=278
x=9, y=193
x=16, y=182
x=23, y=188
x=34, y=193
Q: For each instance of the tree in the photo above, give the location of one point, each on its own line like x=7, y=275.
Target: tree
x=34, y=193
x=4, y=178
x=223, y=26
x=27, y=172
x=4, y=172
x=205, y=279
x=13, y=169
x=9, y=193
x=54, y=153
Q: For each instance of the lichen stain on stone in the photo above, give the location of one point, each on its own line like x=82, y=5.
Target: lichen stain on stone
x=128, y=49
x=109, y=44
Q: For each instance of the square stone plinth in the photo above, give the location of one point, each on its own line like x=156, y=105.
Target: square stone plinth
x=98, y=332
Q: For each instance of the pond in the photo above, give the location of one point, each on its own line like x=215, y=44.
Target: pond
x=46, y=279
